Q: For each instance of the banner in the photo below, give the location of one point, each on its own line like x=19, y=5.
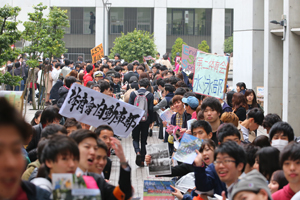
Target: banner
x=189, y=55
x=97, y=53
x=148, y=58
x=94, y=108
x=210, y=75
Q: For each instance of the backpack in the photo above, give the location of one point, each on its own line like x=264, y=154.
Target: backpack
x=141, y=102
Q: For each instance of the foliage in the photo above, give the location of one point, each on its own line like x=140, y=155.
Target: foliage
x=9, y=33
x=228, y=45
x=8, y=79
x=177, y=48
x=203, y=46
x=134, y=45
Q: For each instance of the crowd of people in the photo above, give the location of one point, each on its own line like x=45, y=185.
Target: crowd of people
x=235, y=160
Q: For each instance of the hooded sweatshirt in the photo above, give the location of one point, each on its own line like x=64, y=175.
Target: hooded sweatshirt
x=62, y=92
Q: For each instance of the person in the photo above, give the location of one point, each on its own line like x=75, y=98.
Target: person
x=48, y=84
x=247, y=127
x=212, y=109
x=71, y=124
x=100, y=160
x=230, y=117
x=63, y=90
x=280, y=135
x=251, y=99
x=250, y=151
x=269, y=120
x=88, y=76
x=104, y=69
x=253, y=187
x=278, y=181
x=289, y=161
x=267, y=161
x=191, y=103
x=87, y=145
x=55, y=73
x=166, y=62
x=241, y=87
x=36, y=119
x=14, y=131
x=116, y=79
x=98, y=75
x=225, y=106
x=92, y=22
x=261, y=141
x=129, y=74
x=201, y=129
x=228, y=132
x=239, y=105
x=141, y=130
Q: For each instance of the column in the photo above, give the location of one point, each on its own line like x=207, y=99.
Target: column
x=160, y=27
x=99, y=24
x=218, y=31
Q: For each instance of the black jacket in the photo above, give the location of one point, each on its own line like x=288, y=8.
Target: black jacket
x=37, y=131
x=128, y=75
x=63, y=92
x=34, y=192
x=54, y=91
x=107, y=169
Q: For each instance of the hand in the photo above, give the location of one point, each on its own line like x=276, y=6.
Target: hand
x=223, y=195
x=116, y=145
x=198, y=160
x=189, y=132
x=182, y=130
x=148, y=159
x=124, y=87
x=165, y=123
x=177, y=193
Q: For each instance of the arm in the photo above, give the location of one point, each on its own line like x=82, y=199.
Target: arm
x=131, y=98
x=163, y=103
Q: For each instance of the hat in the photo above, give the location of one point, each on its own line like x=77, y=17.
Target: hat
x=98, y=74
x=191, y=101
x=253, y=181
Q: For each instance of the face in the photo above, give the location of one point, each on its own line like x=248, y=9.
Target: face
x=87, y=149
x=37, y=121
x=280, y=136
x=71, y=129
x=291, y=169
x=98, y=78
x=273, y=186
x=100, y=161
x=12, y=161
x=105, y=70
x=116, y=58
x=105, y=136
x=252, y=125
x=200, y=133
x=238, y=89
x=116, y=80
x=208, y=155
x=250, y=97
x=63, y=164
x=247, y=195
x=139, y=71
x=154, y=70
x=178, y=105
x=256, y=164
x=232, y=138
x=210, y=115
x=96, y=89
x=227, y=170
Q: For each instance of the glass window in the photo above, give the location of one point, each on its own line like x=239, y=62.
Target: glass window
x=169, y=21
x=144, y=19
x=199, y=20
x=116, y=20
x=189, y=22
x=67, y=29
x=228, y=22
x=89, y=21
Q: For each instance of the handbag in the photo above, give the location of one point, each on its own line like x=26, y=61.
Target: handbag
x=127, y=94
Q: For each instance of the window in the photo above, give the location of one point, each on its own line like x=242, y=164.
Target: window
x=228, y=22
x=144, y=19
x=89, y=21
x=67, y=29
x=116, y=20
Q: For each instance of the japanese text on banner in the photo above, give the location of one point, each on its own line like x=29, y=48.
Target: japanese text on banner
x=189, y=55
x=94, y=108
x=97, y=53
x=210, y=75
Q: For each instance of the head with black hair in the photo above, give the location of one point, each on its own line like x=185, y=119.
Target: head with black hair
x=169, y=88
x=207, y=150
x=201, y=129
x=228, y=132
x=37, y=117
x=71, y=124
x=144, y=82
x=269, y=120
x=261, y=141
x=105, y=132
x=57, y=66
x=100, y=157
x=278, y=181
x=250, y=150
x=281, y=134
x=211, y=109
x=69, y=81
x=267, y=161
x=160, y=83
x=96, y=87
x=87, y=144
x=179, y=84
x=50, y=115
x=60, y=157
x=53, y=129
x=230, y=161
x=229, y=97
x=105, y=87
x=104, y=68
x=180, y=91
x=89, y=69
x=240, y=86
x=89, y=84
x=173, y=80
x=163, y=68
x=130, y=67
x=188, y=94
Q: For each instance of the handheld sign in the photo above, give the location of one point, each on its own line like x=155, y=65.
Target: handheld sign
x=189, y=55
x=94, y=108
x=97, y=53
x=148, y=57
x=210, y=75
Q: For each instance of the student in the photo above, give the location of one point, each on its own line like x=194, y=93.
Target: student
x=261, y=141
x=254, y=118
x=267, y=161
x=253, y=186
x=191, y=103
x=251, y=99
x=225, y=106
x=100, y=160
x=250, y=151
x=241, y=87
x=63, y=90
x=87, y=144
x=278, y=181
x=88, y=76
x=269, y=120
x=211, y=109
x=239, y=105
x=71, y=124
x=289, y=161
x=37, y=118
x=116, y=79
x=201, y=129
x=280, y=135
x=228, y=132
x=230, y=117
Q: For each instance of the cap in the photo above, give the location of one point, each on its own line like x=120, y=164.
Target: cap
x=191, y=101
x=98, y=74
x=253, y=181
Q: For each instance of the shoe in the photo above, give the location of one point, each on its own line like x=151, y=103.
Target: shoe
x=138, y=159
x=150, y=133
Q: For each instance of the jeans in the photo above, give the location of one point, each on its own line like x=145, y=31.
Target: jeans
x=140, y=132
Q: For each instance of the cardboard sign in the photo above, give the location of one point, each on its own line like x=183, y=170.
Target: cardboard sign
x=189, y=55
x=97, y=53
x=260, y=91
x=148, y=58
x=94, y=108
x=210, y=75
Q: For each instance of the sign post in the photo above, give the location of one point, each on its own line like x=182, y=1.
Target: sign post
x=97, y=53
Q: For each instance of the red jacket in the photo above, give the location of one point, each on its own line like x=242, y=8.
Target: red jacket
x=87, y=78
x=286, y=193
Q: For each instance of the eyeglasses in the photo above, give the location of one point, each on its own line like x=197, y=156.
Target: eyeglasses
x=224, y=162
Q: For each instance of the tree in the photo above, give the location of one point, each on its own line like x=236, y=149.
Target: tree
x=203, y=46
x=8, y=79
x=228, y=45
x=177, y=48
x=134, y=45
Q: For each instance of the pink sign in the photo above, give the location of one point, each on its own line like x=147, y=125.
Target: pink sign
x=189, y=55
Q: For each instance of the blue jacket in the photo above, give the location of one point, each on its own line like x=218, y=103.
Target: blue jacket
x=207, y=179
x=226, y=108
x=168, y=97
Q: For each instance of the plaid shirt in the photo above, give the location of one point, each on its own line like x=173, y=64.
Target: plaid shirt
x=179, y=120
